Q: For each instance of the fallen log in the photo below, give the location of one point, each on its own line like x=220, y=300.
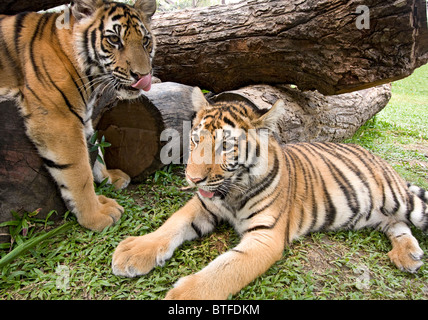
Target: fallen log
x=333, y=46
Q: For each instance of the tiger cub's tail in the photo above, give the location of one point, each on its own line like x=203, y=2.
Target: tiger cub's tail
x=418, y=191
x=421, y=199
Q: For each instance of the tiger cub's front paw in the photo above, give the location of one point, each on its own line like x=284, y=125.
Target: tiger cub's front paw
x=107, y=213
x=198, y=286
x=186, y=288
x=136, y=256
x=118, y=178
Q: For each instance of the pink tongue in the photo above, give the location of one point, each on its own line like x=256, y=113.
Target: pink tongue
x=206, y=194
x=145, y=83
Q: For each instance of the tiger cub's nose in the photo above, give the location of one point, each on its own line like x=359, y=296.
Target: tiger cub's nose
x=195, y=179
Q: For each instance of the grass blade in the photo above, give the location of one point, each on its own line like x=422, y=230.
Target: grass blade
x=33, y=242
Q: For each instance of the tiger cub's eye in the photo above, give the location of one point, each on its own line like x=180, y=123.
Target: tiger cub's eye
x=113, y=39
x=146, y=41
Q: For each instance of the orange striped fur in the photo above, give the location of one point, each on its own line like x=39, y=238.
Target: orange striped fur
x=51, y=72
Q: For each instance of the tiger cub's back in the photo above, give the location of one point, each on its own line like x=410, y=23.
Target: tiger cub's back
x=343, y=186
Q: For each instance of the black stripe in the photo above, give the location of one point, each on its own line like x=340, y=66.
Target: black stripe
x=94, y=43
x=51, y=164
x=270, y=177
x=263, y=227
x=113, y=8
x=331, y=210
x=341, y=179
x=88, y=60
x=312, y=174
x=290, y=189
x=33, y=93
x=39, y=29
x=411, y=201
x=344, y=183
x=213, y=216
x=421, y=194
x=79, y=87
x=67, y=102
x=256, y=228
x=19, y=19
x=387, y=174
x=229, y=122
x=365, y=158
x=241, y=110
x=424, y=213
x=234, y=116
x=197, y=230
x=264, y=207
x=116, y=17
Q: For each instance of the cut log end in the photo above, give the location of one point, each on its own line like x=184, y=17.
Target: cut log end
x=134, y=128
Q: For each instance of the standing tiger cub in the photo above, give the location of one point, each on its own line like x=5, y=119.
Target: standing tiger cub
x=50, y=68
x=272, y=195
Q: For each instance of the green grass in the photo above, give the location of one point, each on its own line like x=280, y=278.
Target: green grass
x=399, y=133
x=336, y=265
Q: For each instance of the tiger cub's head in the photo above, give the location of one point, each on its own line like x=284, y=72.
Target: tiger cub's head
x=114, y=44
x=229, y=143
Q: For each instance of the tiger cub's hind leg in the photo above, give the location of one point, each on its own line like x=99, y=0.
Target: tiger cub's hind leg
x=406, y=253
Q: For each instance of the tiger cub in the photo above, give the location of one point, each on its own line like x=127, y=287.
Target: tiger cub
x=51, y=63
x=272, y=194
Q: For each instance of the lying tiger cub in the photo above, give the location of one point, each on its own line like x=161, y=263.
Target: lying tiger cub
x=272, y=194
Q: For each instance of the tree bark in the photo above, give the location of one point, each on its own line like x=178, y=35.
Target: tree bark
x=14, y=6
x=25, y=184
x=321, y=45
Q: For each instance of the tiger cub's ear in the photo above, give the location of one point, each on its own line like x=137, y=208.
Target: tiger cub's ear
x=270, y=119
x=85, y=8
x=198, y=100
x=148, y=7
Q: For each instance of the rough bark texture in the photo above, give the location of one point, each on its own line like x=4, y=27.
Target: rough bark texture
x=14, y=6
x=25, y=184
x=312, y=44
